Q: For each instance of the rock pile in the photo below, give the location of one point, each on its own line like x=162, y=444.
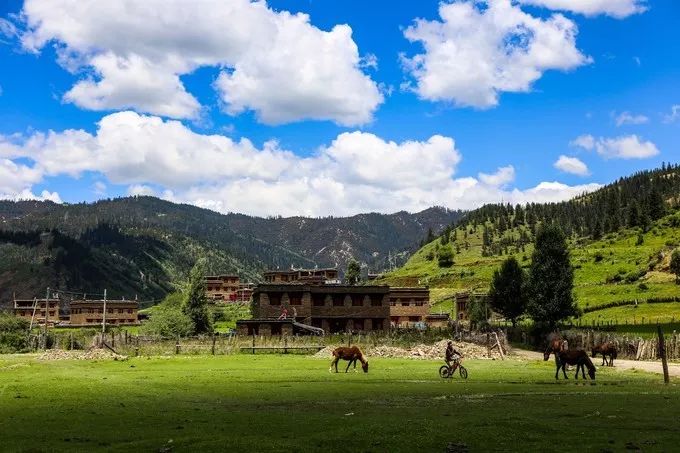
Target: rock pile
x=421, y=351
x=90, y=354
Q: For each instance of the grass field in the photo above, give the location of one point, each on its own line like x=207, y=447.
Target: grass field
x=285, y=403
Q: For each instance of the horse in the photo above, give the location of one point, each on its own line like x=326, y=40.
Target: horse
x=555, y=346
x=576, y=357
x=351, y=354
x=606, y=349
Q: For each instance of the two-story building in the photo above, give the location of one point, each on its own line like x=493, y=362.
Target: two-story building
x=409, y=306
x=36, y=309
x=333, y=308
x=92, y=312
x=227, y=288
x=328, y=276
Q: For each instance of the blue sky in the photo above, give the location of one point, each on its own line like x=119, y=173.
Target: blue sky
x=316, y=128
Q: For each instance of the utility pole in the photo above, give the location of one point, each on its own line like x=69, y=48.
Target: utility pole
x=47, y=315
x=104, y=316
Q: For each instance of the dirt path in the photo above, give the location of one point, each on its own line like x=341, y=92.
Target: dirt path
x=621, y=364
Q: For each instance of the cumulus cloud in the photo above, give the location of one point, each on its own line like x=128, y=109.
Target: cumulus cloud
x=503, y=176
x=274, y=63
x=478, y=50
x=571, y=165
x=16, y=181
x=356, y=172
x=627, y=118
x=623, y=147
x=614, y=8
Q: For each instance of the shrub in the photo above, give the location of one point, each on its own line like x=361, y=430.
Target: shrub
x=168, y=322
x=643, y=286
x=13, y=333
x=598, y=257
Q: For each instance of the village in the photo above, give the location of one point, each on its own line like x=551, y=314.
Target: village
x=296, y=301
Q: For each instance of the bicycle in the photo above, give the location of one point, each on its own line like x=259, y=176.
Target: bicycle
x=446, y=371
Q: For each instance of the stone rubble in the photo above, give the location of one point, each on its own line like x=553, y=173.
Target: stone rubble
x=421, y=351
x=90, y=354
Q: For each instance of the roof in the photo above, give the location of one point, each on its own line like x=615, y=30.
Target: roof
x=303, y=287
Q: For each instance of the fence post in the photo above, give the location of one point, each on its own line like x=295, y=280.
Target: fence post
x=253, y=342
x=662, y=353
x=177, y=346
x=213, y=343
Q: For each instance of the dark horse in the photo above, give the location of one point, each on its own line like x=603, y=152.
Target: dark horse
x=576, y=357
x=606, y=349
x=351, y=354
x=555, y=346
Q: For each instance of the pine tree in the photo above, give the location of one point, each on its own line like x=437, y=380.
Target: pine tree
x=507, y=294
x=445, y=256
x=551, y=278
x=196, y=303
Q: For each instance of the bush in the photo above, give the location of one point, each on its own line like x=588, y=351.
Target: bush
x=168, y=322
x=13, y=334
x=643, y=286
x=598, y=257
x=445, y=257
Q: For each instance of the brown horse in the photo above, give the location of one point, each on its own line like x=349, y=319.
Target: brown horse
x=351, y=354
x=555, y=346
x=576, y=357
x=606, y=349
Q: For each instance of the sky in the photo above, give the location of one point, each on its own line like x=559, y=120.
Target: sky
x=316, y=107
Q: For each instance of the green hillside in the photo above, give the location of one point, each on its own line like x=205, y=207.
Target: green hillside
x=620, y=267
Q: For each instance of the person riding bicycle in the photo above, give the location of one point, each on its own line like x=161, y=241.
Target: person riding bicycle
x=452, y=356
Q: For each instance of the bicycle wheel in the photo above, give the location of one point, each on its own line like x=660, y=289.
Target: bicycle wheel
x=462, y=371
x=444, y=372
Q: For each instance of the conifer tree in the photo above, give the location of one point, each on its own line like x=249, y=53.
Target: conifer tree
x=551, y=278
x=507, y=294
x=196, y=303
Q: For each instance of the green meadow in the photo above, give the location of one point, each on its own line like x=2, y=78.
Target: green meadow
x=292, y=403
x=615, y=268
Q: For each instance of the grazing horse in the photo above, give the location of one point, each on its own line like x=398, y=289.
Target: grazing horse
x=575, y=357
x=606, y=349
x=351, y=354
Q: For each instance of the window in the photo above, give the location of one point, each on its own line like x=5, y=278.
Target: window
x=376, y=301
x=274, y=299
x=419, y=304
x=358, y=324
x=338, y=300
x=405, y=304
x=318, y=300
x=357, y=300
x=295, y=299
x=129, y=311
x=414, y=318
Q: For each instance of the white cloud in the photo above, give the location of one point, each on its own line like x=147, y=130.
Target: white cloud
x=481, y=49
x=503, y=176
x=614, y=8
x=99, y=188
x=571, y=165
x=141, y=189
x=673, y=116
x=586, y=141
x=274, y=63
x=16, y=181
x=625, y=118
x=623, y=147
x=356, y=172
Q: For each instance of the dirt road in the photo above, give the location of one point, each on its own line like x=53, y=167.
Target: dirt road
x=652, y=367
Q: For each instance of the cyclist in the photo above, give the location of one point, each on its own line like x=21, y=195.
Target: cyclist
x=451, y=357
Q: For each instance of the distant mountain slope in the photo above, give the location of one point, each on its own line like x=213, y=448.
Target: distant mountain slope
x=620, y=238
x=140, y=245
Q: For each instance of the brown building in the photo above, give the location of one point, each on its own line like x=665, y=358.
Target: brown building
x=327, y=276
x=221, y=287
x=25, y=308
x=91, y=312
x=409, y=306
x=333, y=308
x=463, y=302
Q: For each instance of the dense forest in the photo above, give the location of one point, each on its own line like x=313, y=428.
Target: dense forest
x=631, y=202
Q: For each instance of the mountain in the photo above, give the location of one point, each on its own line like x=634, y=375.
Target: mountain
x=141, y=245
x=620, y=238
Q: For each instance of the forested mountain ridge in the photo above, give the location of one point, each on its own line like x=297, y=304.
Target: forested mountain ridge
x=621, y=238
x=141, y=245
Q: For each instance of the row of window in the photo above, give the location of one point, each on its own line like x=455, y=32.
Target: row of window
x=110, y=321
x=407, y=304
x=77, y=311
x=337, y=300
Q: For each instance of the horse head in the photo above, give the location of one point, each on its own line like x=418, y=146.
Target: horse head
x=591, y=373
x=364, y=366
x=546, y=354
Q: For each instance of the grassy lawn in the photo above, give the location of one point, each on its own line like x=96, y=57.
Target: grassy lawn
x=287, y=403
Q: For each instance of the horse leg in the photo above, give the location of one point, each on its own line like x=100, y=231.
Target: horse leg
x=348, y=365
x=334, y=362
